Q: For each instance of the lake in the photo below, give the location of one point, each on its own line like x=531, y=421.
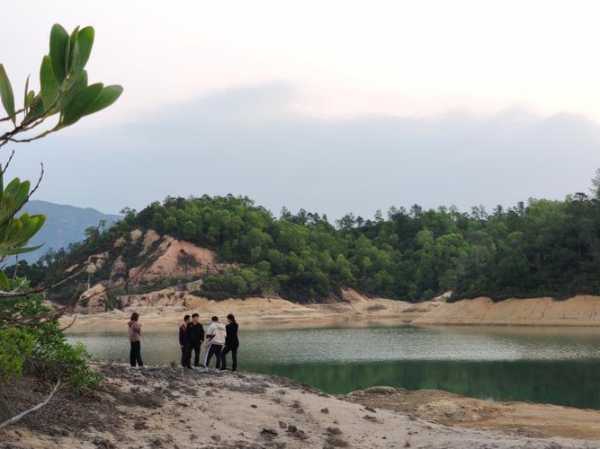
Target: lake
x=548, y=365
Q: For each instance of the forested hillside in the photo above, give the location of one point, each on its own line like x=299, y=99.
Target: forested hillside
x=539, y=248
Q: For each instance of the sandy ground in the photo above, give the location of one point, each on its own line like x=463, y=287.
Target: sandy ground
x=581, y=310
x=355, y=311
x=259, y=313
x=517, y=418
x=167, y=408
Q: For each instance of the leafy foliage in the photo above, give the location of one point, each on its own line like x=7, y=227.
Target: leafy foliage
x=64, y=88
x=30, y=338
x=542, y=248
x=31, y=341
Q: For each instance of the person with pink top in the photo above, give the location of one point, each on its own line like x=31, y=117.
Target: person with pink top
x=135, y=337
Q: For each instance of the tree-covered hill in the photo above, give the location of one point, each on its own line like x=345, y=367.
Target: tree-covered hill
x=539, y=248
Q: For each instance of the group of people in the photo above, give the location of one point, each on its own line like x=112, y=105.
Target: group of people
x=218, y=341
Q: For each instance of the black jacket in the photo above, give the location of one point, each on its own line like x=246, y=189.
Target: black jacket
x=184, y=338
x=195, y=333
x=231, y=338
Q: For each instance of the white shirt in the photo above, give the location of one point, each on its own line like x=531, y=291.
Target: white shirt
x=218, y=330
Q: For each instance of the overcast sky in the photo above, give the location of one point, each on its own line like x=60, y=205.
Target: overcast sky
x=332, y=106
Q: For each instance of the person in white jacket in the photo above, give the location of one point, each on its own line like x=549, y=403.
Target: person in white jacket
x=215, y=336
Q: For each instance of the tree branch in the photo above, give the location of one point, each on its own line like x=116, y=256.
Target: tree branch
x=22, y=415
x=6, y=119
x=10, y=158
x=31, y=139
x=33, y=291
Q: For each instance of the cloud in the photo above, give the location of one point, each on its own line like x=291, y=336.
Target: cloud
x=251, y=141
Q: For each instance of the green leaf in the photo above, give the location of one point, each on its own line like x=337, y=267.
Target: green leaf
x=78, y=82
x=71, y=48
x=6, y=94
x=84, y=41
x=22, y=249
x=107, y=96
x=29, y=99
x=48, y=83
x=36, y=108
x=59, y=47
x=82, y=100
x=4, y=282
x=25, y=95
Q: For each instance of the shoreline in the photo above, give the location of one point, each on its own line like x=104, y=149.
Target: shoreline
x=162, y=407
x=258, y=313
x=354, y=311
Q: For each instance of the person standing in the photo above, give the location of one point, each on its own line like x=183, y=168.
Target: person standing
x=196, y=337
x=135, y=340
x=184, y=343
x=216, y=339
x=231, y=343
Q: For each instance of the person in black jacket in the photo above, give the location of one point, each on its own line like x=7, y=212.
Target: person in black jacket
x=196, y=337
x=231, y=343
x=184, y=343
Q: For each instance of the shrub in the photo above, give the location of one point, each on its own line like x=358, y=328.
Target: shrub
x=40, y=347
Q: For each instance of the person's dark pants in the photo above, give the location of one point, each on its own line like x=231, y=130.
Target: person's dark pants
x=135, y=354
x=216, y=351
x=196, y=349
x=233, y=349
x=186, y=356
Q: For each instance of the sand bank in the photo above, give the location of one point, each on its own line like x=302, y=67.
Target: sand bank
x=169, y=408
x=517, y=418
x=581, y=310
x=355, y=311
x=256, y=313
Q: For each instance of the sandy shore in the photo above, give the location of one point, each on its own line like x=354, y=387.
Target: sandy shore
x=580, y=310
x=355, y=311
x=257, y=313
x=517, y=418
x=168, y=408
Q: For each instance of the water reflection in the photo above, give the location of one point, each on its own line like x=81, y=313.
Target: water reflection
x=560, y=366
x=573, y=383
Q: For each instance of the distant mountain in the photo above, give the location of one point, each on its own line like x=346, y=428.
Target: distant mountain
x=64, y=225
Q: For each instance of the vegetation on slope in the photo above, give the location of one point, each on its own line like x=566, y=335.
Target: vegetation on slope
x=540, y=248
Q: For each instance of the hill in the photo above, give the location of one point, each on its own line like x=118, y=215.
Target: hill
x=64, y=225
x=235, y=248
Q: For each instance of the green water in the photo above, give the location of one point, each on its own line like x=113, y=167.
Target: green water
x=559, y=366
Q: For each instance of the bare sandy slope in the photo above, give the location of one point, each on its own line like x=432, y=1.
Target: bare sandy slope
x=579, y=310
x=167, y=408
x=518, y=418
x=356, y=310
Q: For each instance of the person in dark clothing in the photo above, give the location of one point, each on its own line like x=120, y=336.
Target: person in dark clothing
x=196, y=337
x=135, y=337
x=231, y=343
x=184, y=343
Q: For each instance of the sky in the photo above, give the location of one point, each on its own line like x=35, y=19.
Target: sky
x=333, y=106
